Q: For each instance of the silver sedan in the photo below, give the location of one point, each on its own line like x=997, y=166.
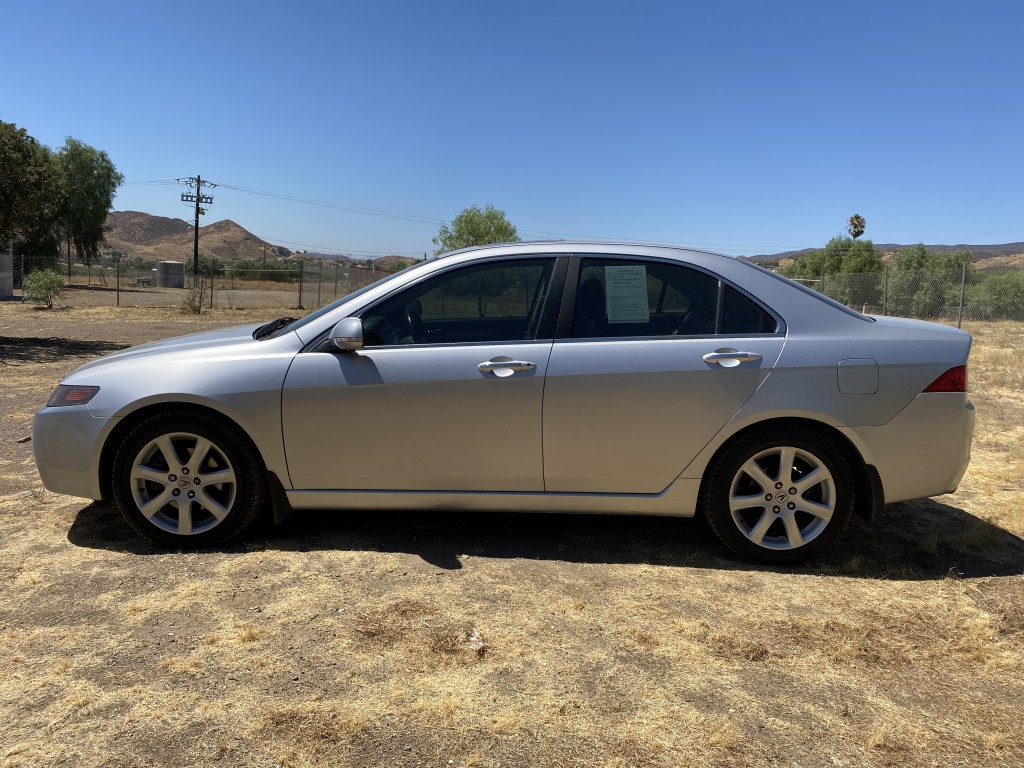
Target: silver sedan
x=540, y=377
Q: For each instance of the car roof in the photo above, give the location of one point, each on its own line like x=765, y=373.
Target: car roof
x=583, y=246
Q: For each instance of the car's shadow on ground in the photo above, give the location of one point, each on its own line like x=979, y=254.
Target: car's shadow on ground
x=33, y=349
x=918, y=541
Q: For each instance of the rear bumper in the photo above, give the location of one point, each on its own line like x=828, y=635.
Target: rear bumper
x=924, y=450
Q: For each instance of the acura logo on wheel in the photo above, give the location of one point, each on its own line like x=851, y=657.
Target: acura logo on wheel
x=184, y=482
x=779, y=497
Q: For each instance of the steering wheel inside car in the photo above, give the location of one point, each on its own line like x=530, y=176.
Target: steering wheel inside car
x=414, y=321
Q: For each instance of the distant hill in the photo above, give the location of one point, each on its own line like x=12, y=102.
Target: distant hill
x=392, y=263
x=160, y=238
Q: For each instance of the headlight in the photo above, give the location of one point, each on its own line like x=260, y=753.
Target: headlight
x=71, y=394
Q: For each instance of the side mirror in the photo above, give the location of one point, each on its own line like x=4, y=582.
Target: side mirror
x=347, y=335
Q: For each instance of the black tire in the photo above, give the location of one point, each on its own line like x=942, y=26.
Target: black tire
x=764, y=512
x=223, y=489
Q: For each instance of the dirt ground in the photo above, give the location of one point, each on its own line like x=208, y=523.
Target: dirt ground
x=497, y=640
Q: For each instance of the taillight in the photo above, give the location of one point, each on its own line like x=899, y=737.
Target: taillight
x=953, y=380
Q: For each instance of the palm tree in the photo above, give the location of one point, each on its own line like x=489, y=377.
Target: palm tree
x=855, y=226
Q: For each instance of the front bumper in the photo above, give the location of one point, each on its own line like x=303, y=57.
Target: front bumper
x=67, y=442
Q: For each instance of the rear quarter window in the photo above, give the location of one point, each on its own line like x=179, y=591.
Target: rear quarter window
x=742, y=316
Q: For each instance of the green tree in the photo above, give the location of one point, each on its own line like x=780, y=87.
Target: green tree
x=274, y=271
x=924, y=282
x=850, y=269
x=29, y=186
x=840, y=254
x=89, y=180
x=855, y=225
x=208, y=265
x=1003, y=295
x=475, y=226
x=920, y=258
x=43, y=286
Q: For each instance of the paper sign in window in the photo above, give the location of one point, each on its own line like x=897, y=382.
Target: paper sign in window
x=626, y=293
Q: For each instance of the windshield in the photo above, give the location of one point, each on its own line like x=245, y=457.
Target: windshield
x=338, y=302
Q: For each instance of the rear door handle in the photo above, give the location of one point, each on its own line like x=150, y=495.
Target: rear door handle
x=498, y=364
x=730, y=358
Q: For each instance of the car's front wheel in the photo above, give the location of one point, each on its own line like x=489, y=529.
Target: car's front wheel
x=184, y=479
x=779, y=495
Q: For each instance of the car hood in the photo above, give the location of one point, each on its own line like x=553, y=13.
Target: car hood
x=194, y=345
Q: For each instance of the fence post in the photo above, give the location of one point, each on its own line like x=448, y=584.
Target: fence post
x=963, y=281
x=211, y=285
x=885, y=289
x=319, y=282
x=118, y=263
x=301, y=266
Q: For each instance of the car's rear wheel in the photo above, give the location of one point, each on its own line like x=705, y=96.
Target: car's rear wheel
x=186, y=480
x=779, y=495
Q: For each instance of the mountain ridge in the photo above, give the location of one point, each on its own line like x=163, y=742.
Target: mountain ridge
x=136, y=234
x=140, y=234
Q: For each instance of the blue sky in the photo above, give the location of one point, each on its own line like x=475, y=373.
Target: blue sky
x=743, y=127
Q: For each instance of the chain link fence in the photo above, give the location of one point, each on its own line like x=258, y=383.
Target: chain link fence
x=296, y=284
x=951, y=296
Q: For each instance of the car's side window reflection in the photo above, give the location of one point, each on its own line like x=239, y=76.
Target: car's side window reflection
x=500, y=301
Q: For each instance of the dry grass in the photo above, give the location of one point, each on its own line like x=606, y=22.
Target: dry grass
x=457, y=640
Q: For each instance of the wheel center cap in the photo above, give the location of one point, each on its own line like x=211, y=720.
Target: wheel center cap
x=780, y=497
x=184, y=483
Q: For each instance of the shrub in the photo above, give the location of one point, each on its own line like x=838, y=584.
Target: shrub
x=193, y=301
x=43, y=286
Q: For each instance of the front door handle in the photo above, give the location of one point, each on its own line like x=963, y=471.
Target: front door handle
x=505, y=366
x=729, y=358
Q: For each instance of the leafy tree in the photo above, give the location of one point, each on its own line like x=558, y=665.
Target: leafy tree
x=924, y=282
x=207, y=265
x=849, y=265
x=855, y=226
x=89, y=180
x=275, y=271
x=43, y=286
x=1003, y=295
x=475, y=226
x=840, y=254
x=29, y=186
x=920, y=258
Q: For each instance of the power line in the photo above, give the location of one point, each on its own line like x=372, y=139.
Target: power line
x=433, y=221
x=331, y=250
x=439, y=222
x=338, y=206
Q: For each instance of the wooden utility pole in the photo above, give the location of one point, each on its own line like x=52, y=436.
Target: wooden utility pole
x=196, y=182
